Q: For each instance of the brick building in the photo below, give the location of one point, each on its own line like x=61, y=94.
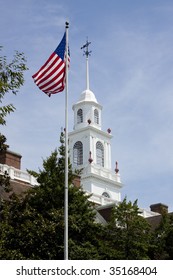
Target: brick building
x=21, y=181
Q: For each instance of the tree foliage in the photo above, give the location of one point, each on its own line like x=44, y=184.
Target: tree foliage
x=128, y=232
x=11, y=79
x=162, y=239
x=33, y=226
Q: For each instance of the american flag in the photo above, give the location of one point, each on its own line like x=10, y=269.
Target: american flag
x=51, y=76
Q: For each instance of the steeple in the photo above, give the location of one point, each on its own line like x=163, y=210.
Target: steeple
x=90, y=147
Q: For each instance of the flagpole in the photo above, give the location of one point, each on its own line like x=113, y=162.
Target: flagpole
x=66, y=155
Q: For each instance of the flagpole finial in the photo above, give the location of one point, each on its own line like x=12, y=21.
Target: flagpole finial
x=67, y=24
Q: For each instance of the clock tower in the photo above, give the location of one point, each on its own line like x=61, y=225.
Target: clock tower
x=90, y=148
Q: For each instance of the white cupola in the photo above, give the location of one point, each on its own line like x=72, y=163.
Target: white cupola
x=87, y=111
x=90, y=148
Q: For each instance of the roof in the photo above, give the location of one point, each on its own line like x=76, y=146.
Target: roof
x=87, y=95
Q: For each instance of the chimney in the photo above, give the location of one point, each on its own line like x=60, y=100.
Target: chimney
x=10, y=158
x=159, y=208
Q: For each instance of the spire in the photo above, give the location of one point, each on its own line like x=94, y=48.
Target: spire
x=87, y=53
x=87, y=94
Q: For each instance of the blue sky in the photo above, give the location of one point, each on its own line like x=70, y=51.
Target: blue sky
x=131, y=75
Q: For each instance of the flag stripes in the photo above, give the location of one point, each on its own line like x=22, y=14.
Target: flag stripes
x=50, y=78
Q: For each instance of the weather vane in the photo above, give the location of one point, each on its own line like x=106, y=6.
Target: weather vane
x=86, y=51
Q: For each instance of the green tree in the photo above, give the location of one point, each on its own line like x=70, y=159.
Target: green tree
x=162, y=239
x=128, y=232
x=169, y=239
x=11, y=79
x=33, y=226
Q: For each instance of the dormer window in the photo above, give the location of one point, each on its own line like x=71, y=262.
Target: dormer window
x=96, y=116
x=78, y=153
x=79, y=116
x=99, y=154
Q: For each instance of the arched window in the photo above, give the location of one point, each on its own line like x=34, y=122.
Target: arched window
x=99, y=153
x=96, y=116
x=79, y=116
x=105, y=194
x=78, y=153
